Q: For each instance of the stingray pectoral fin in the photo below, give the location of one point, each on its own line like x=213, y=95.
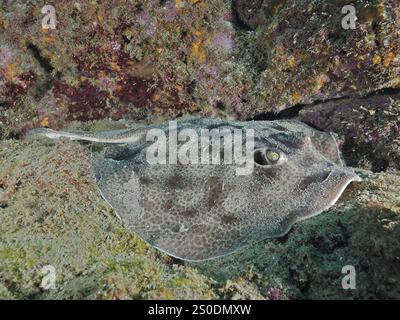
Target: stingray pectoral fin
x=317, y=197
x=201, y=242
x=118, y=187
x=337, y=182
x=146, y=208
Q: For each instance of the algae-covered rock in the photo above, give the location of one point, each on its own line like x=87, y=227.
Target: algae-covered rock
x=368, y=128
x=143, y=58
x=51, y=213
x=306, y=51
x=125, y=59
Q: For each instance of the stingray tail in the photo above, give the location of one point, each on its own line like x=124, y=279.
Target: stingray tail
x=116, y=136
x=52, y=134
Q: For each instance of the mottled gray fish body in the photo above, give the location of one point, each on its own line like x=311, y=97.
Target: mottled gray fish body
x=199, y=212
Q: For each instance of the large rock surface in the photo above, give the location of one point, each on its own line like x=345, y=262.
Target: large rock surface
x=135, y=59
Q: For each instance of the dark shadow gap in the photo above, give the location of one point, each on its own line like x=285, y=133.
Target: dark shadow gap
x=43, y=61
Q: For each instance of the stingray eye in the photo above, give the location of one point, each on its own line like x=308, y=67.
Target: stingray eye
x=272, y=155
x=266, y=157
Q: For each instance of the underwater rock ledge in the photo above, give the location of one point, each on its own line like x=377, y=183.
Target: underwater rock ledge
x=137, y=59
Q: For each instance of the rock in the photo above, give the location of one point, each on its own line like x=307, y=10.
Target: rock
x=146, y=59
x=120, y=61
x=368, y=128
x=257, y=13
x=304, y=55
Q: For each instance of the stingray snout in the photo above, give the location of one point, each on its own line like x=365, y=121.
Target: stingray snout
x=336, y=182
x=343, y=175
x=323, y=189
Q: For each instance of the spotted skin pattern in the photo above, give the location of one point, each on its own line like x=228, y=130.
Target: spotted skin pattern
x=199, y=212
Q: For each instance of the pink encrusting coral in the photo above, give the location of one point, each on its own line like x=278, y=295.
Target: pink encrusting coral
x=6, y=56
x=146, y=21
x=224, y=41
x=274, y=293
